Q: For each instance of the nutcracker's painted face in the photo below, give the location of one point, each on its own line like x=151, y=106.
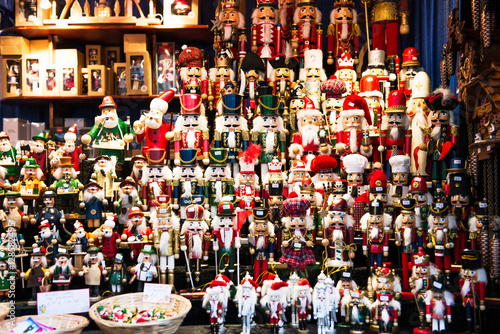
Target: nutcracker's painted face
x=5, y=145
x=276, y=175
x=299, y=175
x=38, y=146
x=346, y=284
x=333, y=104
x=396, y=119
x=92, y=189
x=218, y=172
x=275, y=201
x=314, y=120
x=155, y=173
x=373, y=102
x=379, y=197
x=313, y=74
x=136, y=220
x=93, y=258
x=12, y=202
x=297, y=104
x=226, y=222
x=49, y=201
x=117, y=266
x=247, y=178
x=274, y=296
x=471, y=274
x=269, y=122
x=230, y=16
x=298, y=223
x=191, y=121
x=232, y=122
x=408, y=219
x=337, y=218
x=62, y=261
x=376, y=220
x=283, y=73
x=310, y=197
x=422, y=271
x=307, y=12
x=440, y=117
x=193, y=73
x=302, y=294
x=147, y=257
x=343, y=14
x=103, y=163
x=416, y=104
x=325, y=177
x=165, y=221
x=127, y=189
x=460, y=200
x=222, y=73
x=69, y=146
x=195, y=226
x=401, y=178
x=260, y=227
x=109, y=117
x=383, y=284
x=252, y=74
x=377, y=71
x=37, y=260
x=356, y=178
x=107, y=231
x=408, y=74
x=352, y=121
x=30, y=172
x=346, y=74
x=188, y=172
x=45, y=233
x=266, y=13
x=421, y=198
x=438, y=295
x=440, y=221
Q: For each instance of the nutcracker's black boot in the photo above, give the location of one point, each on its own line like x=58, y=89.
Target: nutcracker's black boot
x=212, y=329
x=217, y=329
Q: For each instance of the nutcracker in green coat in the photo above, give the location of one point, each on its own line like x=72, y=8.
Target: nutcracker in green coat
x=219, y=181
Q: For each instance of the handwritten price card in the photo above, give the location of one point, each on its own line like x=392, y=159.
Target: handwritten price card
x=63, y=302
x=157, y=293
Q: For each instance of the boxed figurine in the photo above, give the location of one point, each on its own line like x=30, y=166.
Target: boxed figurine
x=50, y=80
x=31, y=70
x=180, y=12
x=97, y=80
x=93, y=55
x=14, y=45
x=134, y=43
x=36, y=128
x=138, y=73
x=30, y=13
x=112, y=55
x=11, y=82
x=120, y=79
x=17, y=129
x=165, y=67
x=69, y=62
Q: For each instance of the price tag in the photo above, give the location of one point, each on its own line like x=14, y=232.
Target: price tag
x=346, y=274
x=406, y=202
x=297, y=245
x=457, y=178
x=217, y=153
x=376, y=204
x=483, y=205
x=63, y=302
x=478, y=150
x=379, y=188
x=259, y=213
x=384, y=298
x=417, y=261
x=437, y=285
x=439, y=205
x=275, y=185
x=156, y=293
x=355, y=294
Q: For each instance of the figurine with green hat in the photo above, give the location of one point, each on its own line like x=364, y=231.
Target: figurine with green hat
x=218, y=179
x=7, y=275
x=94, y=270
x=117, y=276
x=8, y=156
x=145, y=270
x=66, y=185
x=30, y=185
x=39, y=152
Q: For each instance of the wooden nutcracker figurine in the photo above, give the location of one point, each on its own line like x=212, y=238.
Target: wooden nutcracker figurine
x=443, y=133
x=323, y=167
x=355, y=166
x=297, y=235
x=473, y=280
x=94, y=270
x=308, y=192
x=128, y=197
x=246, y=183
x=145, y=269
x=302, y=299
x=343, y=30
x=286, y=10
x=109, y=133
x=356, y=307
x=40, y=152
x=107, y=238
x=275, y=182
x=105, y=174
x=62, y=272
x=195, y=241
x=298, y=172
x=352, y=127
x=152, y=127
x=283, y=70
x=420, y=283
x=30, y=184
x=71, y=150
x=376, y=226
x=408, y=232
x=370, y=91
x=423, y=198
x=215, y=302
x=156, y=184
x=191, y=129
x=261, y=242
x=307, y=30
x=481, y=231
x=66, y=185
x=333, y=91
x=442, y=232
x=37, y=273
x=409, y=68
x=296, y=102
x=117, y=277
x=137, y=234
x=313, y=75
x=221, y=75
x=246, y=299
x=400, y=185
x=94, y=203
x=275, y=302
x=218, y=179
x=138, y=163
x=253, y=74
x=193, y=74
x=226, y=237
x=166, y=227
x=347, y=73
x=438, y=304
x=13, y=204
x=50, y=213
x=48, y=240
x=386, y=309
x=265, y=32
x=8, y=156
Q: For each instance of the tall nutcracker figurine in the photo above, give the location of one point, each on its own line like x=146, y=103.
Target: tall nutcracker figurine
x=275, y=182
x=307, y=30
x=438, y=302
x=423, y=198
x=261, y=241
x=482, y=228
x=420, y=283
x=386, y=309
x=166, y=227
x=409, y=69
x=286, y=10
x=40, y=152
x=355, y=166
x=253, y=74
x=266, y=36
x=473, y=280
x=323, y=167
x=218, y=179
x=246, y=183
x=193, y=74
x=302, y=299
x=347, y=73
x=308, y=192
x=296, y=102
x=442, y=232
x=343, y=30
x=400, y=185
x=215, y=302
x=313, y=75
x=221, y=75
x=376, y=226
x=370, y=91
x=283, y=69
x=443, y=133
x=156, y=183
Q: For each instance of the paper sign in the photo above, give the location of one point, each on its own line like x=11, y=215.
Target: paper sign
x=63, y=302
x=156, y=293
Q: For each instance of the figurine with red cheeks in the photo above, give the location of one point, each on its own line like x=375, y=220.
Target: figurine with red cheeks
x=246, y=183
x=107, y=238
x=137, y=234
x=275, y=302
x=376, y=226
x=345, y=72
x=302, y=299
x=220, y=76
x=71, y=150
x=266, y=39
x=215, y=302
x=40, y=152
x=343, y=30
x=307, y=31
x=420, y=283
x=261, y=241
x=105, y=174
x=193, y=74
x=62, y=272
x=438, y=303
x=66, y=185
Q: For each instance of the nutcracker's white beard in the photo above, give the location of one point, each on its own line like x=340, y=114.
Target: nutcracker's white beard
x=465, y=288
x=267, y=32
x=345, y=30
x=260, y=243
x=337, y=235
x=439, y=307
x=191, y=139
x=137, y=172
x=439, y=235
x=227, y=32
x=164, y=240
x=374, y=233
x=270, y=142
x=187, y=189
x=218, y=190
x=196, y=249
x=309, y=134
x=435, y=132
x=355, y=314
x=407, y=236
x=282, y=86
x=87, y=196
x=45, y=233
x=227, y=236
x=107, y=169
x=353, y=141
x=306, y=30
x=418, y=285
x=395, y=132
x=5, y=147
x=231, y=139
x=385, y=316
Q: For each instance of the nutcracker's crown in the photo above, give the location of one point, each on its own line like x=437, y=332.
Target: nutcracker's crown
x=230, y=4
x=307, y=186
x=421, y=259
x=384, y=274
x=224, y=59
x=344, y=3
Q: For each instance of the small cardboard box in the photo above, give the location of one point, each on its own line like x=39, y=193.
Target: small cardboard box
x=50, y=80
x=93, y=55
x=36, y=128
x=138, y=73
x=79, y=122
x=14, y=46
x=11, y=76
x=32, y=66
x=112, y=55
x=98, y=80
x=134, y=43
x=17, y=129
x=69, y=62
x=39, y=46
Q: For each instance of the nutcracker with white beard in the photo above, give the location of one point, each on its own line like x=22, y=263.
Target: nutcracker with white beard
x=343, y=30
x=94, y=203
x=269, y=131
x=356, y=306
x=12, y=205
x=409, y=68
x=105, y=174
x=145, y=269
x=298, y=171
x=37, y=273
x=261, y=241
x=193, y=74
x=307, y=30
x=408, y=234
x=138, y=163
x=80, y=241
x=313, y=75
x=191, y=129
x=215, y=302
x=152, y=127
x=311, y=140
x=265, y=35
x=107, y=238
x=220, y=75
x=376, y=226
x=400, y=185
x=332, y=99
x=246, y=183
x=246, y=299
x=8, y=156
x=47, y=240
x=137, y=234
x=322, y=305
x=355, y=166
x=109, y=133
x=226, y=237
x=473, y=281
x=128, y=197
x=442, y=233
x=66, y=184
x=370, y=91
x=253, y=74
x=316, y=199
x=218, y=180
x=274, y=182
x=71, y=150
x=302, y=299
x=423, y=198
x=386, y=309
x=345, y=72
x=444, y=134
x=156, y=183
x=339, y=236
x=353, y=127
x=39, y=151
x=195, y=242
x=94, y=270
x=420, y=283
x=62, y=272
x=231, y=130
x=187, y=183
x=166, y=227
x=438, y=304
x=323, y=167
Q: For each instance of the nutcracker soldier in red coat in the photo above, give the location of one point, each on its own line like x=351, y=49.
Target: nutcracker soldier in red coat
x=253, y=74
x=343, y=30
x=442, y=232
x=316, y=199
x=266, y=36
x=285, y=12
x=220, y=75
x=370, y=91
x=70, y=149
x=376, y=226
x=195, y=241
x=420, y=283
x=409, y=69
x=307, y=31
x=275, y=302
x=193, y=74
x=246, y=183
x=274, y=182
x=261, y=241
x=444, y=134
x=302, y=298
x=215, y=302
x=154, y=128
x=156, y=182
x=473, y=280
x=386, y=309
x=313, y=74
x=438, y=304
x=40, y=152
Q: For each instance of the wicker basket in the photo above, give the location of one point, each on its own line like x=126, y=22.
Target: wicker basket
x=166, y=326
x=63, y=323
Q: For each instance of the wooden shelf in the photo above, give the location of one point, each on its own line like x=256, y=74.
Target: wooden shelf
x=33, y=100
x=112, y=34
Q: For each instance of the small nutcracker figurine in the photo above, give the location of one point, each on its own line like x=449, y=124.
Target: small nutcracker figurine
x=246, y=183
x=297, y=235
x=54, y=217
x=296, y=102
x=298, y=172
x=156, y=184
x=94, y=203
x=40, y=152
x=275, y=302
x=409, y=68
x=385, y=309
x=107, y=238
x=275, y=182
x=215, y=302
x=321, y=306
x=420, y=283
x=246, y=299
x=37, y=273
x=137, y=234
x=352, y=127
x=302, y=299
x=30, y=184
x=313, y=75
x=442, y=232
x=323, y=167
x=13, y=204
x=261, y=242
x=166, y=228
x=62, y=272
x=117, y=276
x=193, y=74
x=370, y=91
x=376, y=226
x=307, y=30
x=347, y=73
x=308, y=192
x=423, y=198
x=8, y=156
x=357, y=310
x=473, y=280
x=218, y=178
x=343, y=30
x=253, y=72
x=94, y=270
x=138, y=162
x=66, y=185
x=333, y=91
x=71, y=150
x=145, y=269
x=482, y=228
x=438, y=304
x=80, y=240
x=221, y=75
x=105, y=174
x=400, y=185
x=265, y=34
x=128, y=197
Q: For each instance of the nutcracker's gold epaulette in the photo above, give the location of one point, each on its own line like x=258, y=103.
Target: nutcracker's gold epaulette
x=245, y=134
x=255, y=136
x=217, y=135
x=282, y=136
x=357, y=30
x=331, y=30
x=177, y=135
x=454, y=130
x=175, y=182
x=205, y=135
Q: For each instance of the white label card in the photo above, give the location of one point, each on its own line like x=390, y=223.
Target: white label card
x=63, y=302
x=157, y=293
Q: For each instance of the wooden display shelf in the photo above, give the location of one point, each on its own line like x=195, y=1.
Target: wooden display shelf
x=34, y=100
x=111, y=34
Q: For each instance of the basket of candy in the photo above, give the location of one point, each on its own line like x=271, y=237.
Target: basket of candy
x=54, y=324
x=129, y=314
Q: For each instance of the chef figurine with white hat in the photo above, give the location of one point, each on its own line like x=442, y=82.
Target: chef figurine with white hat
x=400, y=185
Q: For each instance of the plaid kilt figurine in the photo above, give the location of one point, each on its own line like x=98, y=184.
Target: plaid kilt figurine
x=297, y=235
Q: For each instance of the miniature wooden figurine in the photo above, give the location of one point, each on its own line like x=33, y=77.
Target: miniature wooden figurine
x=37, y=273
x=246, y=299
x=215, y=302
x=66, y=185
x=166, y=227
x=137, y=234
x=145, y=270
x=62, y=271
x=261, y=241
x=94, y=203
x=438, y=304
x=94, y=270
x=275, y=302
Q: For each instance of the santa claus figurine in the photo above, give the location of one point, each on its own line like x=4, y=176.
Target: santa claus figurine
x=376, y=226
x=266, y=37
x=128, y=197
x=307, y=31
x=345, y=72
x=313, y=75
x=302, y=299
x=62, y=272
x=352, y=127
x=154, y=128
x=105, y=174
x=193, y=74
x=137, y=234
x=438, y=304
x=246, y=183
x=370, y=91
x=311, y=140
x=70, y=149
x=343, y=30
x=107, y=238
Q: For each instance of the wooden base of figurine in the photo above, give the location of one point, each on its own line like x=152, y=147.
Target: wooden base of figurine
x=422, y=331
x=276, y=265
x=95, y=299
x=303, y=331
x=357, y=332
x=32, y=303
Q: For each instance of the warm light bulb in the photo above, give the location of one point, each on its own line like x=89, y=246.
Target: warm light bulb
x=45, y=4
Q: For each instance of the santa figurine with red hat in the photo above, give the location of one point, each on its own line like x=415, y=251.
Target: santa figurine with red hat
x=323, y=167
x=153, y=127
x=107, y=238
x=302, y=298
x=193, y=74
x=215, y=302
x=137, y=234
x=311, y=140
x=70, y=149
x=275, y=302
x=353, y=127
